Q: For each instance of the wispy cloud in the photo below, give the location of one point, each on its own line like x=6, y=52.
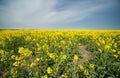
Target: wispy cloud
x=46, y=14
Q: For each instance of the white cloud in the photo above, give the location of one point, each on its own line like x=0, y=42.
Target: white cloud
x=43, y=15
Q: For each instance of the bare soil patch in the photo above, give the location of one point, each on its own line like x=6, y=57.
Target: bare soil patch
x=85, y=53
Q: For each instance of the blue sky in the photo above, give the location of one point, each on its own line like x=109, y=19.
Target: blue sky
x=59, y=14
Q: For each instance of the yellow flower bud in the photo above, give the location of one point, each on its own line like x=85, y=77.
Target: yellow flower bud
x=92, y=66
x=81, y=67
x=115, y=55
x=86, y=73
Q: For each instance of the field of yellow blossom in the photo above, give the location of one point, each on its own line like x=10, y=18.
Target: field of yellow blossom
x=56, y=54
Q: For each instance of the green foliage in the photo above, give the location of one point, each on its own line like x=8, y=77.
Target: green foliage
x=55, y=54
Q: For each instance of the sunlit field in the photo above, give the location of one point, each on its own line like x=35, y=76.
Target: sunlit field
x=59, y=53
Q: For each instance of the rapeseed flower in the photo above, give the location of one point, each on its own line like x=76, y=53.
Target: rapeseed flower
x=113, y=50
x=32, y=64
x=64, y=76
x=115, y=55
x=85, y=72
x=16, y=63
x=99, y=50
x=64, y=57
x=45, y=76
x=37, y=59
x=81, y=67
x=75, y=58
x=49, y=70
x=118, y=52
x=107, y=47
x=92, y=66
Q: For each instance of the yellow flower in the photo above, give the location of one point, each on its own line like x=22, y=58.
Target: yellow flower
x=103, y=41
x=32, y=64
x=49, y=70
x=115, y=55
x=85, y=73
x=115, y=45
x=16, y=63
x=23, y=64
x=113, y=50
x=38, y=48
x=52, y=55
x=64, y=75
x=92, y=66
x=37, y=59
x=75, y=57
x=18, y=58
x=64, y=57
x=99, y=50
x=45, y=76
x=81, y=67
x=61, y=53
x=27, y=38
x=24, y=52
x=107, y=47
x=118, y=52
x=98, y=44
x=63, y=42
x=2, y=52
x=13, y=57
x=13, y=71
x=20, y=49
x=36, y=72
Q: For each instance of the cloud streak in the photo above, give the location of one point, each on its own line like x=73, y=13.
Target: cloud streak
x=45, y=14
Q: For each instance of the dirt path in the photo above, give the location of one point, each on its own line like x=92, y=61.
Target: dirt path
x=86, y=54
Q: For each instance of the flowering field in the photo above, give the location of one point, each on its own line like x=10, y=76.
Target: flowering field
x=57, y=54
